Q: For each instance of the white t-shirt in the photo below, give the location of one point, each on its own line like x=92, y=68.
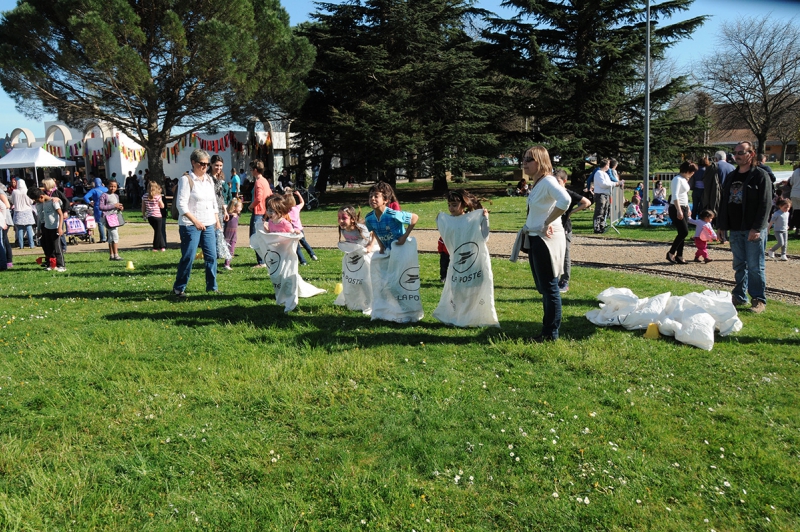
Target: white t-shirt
x=680, y=190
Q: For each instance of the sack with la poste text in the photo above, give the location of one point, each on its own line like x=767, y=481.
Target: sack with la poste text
x=356, y=281
x=280, y=255
x=395, y=284
x=468, y=295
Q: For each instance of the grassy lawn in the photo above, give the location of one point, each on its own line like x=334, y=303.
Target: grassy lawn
x=123, y=410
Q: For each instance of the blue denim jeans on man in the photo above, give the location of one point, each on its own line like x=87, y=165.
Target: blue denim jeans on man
x=748, y=266
x=191, y=238
x=256, y=223
x=547, y=285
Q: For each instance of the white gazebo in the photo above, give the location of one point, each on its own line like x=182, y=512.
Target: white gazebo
x=32, y=158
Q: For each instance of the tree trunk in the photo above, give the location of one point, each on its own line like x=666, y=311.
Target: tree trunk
x=784, y=147
x=439, y=172
x=156, y=144
x=324, y=173
x=761, y=138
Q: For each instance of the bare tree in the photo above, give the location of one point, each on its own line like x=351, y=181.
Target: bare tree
x=786, y=130
x=755, y=72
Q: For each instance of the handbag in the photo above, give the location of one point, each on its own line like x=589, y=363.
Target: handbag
x=115, y=220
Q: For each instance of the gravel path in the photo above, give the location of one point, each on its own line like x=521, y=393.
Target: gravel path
x=586, y=249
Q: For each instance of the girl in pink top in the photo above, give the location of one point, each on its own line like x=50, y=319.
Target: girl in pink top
x=296, y=204
x=278, y=215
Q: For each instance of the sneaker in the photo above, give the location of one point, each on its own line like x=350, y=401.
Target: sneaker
x=61, y=269
x=178, y=295
x=563, y=287
x=707, y=260
x=303, y=264
x=783, y=257
x=48, y=269
x=771, y=254
x=163, y=249
x=540, y=339
x=9, y=265
x=738, y=302
x=314, y=257
x=214, y=292
x=260, y=266
x=758, y=307
x=227, y=267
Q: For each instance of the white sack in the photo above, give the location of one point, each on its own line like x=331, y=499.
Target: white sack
x=691, y=319
x=468, y=296
x=395, y=284
x=356, y=281
x=720, y=305
x=279, y=251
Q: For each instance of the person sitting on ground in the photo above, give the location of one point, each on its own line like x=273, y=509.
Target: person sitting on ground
x=634, y=211
x=659, y=194
x=522, y=187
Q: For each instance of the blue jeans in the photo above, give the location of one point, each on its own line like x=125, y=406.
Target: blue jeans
x=21, y=229
x=191, y=238
x=307, y=247
x=3, y=244
x=748, y=266
x=547, y=285
x=256, y=223
x=101, y=226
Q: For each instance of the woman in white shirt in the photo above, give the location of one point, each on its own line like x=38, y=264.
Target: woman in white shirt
x=679, y=211
x=547, y=201
x=197, y=221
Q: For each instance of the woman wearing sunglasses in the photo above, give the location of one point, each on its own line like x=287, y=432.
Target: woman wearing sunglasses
x=547, y=201
x=198, y=218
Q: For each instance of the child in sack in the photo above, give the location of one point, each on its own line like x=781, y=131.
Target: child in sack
x=296, y=203
x=387, y=225
x=703, y=234
x=351, y=228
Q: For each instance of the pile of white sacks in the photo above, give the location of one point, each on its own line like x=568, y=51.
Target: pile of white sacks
x=691, y=319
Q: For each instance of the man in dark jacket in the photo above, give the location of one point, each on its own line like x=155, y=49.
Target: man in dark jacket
x=744, y=211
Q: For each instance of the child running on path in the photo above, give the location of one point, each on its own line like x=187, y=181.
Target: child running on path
x=703, y=234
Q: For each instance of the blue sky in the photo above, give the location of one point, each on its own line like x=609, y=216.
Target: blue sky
x=688, y=54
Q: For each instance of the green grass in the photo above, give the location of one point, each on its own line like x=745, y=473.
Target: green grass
x=123, y=410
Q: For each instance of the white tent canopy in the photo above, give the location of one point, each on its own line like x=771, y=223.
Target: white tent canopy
x=32, y=158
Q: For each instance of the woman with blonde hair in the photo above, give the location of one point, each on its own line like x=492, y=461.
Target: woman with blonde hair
x=547, y=201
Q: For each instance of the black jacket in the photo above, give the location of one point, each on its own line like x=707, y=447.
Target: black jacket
x=756, y=201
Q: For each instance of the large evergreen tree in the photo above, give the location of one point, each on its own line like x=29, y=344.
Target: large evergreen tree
x=155, y=69
x=571, y=66
x=397, y=85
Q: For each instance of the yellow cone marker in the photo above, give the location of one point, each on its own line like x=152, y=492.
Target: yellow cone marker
x=338, y=289
x=130, y=265
x=652, y=332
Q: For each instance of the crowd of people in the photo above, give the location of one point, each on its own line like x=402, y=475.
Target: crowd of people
x=739, y=204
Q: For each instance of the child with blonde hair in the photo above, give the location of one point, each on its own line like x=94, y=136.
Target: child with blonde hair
x=231, y=227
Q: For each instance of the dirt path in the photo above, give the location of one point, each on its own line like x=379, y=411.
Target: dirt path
x=649, y=255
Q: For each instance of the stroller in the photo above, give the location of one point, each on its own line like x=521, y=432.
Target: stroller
x=80, y=224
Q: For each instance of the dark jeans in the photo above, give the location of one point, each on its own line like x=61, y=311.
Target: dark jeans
x=9, y=256
x=158, y=232
x=682, y=226
x=51, y=244
x=547, y=285
x=308, y=248
x=164, y=215
x=444, y=263
x=602, y=208
x=257, y=222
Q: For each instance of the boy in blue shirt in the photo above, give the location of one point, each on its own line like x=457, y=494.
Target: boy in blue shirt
x=387, y=225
